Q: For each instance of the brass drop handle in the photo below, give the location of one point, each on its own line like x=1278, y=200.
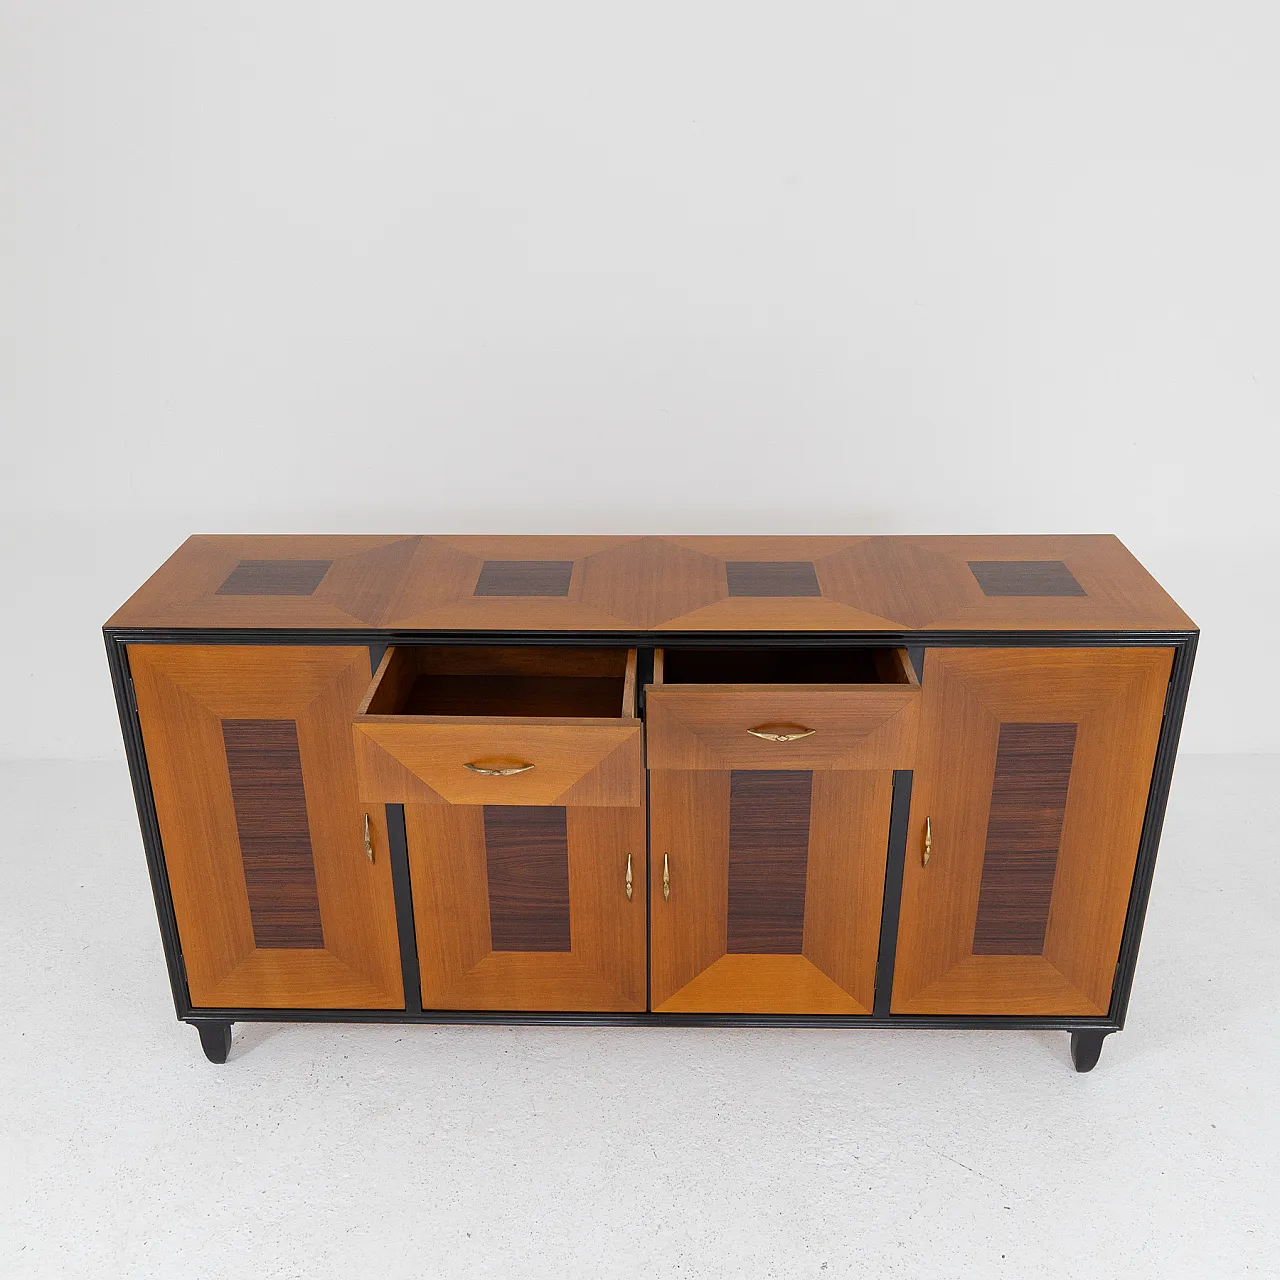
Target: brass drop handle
x=781, y=732
x=368, y=839
x=666, y=876
x=628, y=877
x=927, y=852
x=498, y=773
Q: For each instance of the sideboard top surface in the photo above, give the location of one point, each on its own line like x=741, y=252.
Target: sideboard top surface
x=661, y=584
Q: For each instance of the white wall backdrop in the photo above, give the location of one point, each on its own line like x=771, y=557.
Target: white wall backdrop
x=635, y=268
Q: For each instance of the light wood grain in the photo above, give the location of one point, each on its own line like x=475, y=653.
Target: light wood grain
x=856, y=726
x=605, y=968
x=689, y=825
x=844, y=893
x=835, y=972
x=1116, y=698
x=422, y=759
x=761, y=984
x=365, y=574
x=655, y=583
x=629, y=687
x=183, y=694
x=410, y=661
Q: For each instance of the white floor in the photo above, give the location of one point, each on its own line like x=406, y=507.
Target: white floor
x=323, y=1151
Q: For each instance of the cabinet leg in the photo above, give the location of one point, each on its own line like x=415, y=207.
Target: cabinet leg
x=1085, y=1048
x=215, y=1040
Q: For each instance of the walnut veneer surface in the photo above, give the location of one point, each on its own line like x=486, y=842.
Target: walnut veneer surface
x=628, y=584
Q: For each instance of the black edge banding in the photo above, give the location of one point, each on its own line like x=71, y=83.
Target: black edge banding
x=403, y=891
x=1153, y=823
x=148, y=822
x=899, y=813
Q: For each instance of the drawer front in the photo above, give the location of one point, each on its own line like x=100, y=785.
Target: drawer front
x=448, y=760
x=710, y=727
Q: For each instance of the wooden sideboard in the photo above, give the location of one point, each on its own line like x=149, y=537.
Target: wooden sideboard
x=862, y=781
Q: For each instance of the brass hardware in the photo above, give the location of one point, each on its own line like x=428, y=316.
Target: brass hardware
x=666, y=876
x=928, y=843
x=498, y=773
x=368, y=839
x=628, y=877
x=781, y=732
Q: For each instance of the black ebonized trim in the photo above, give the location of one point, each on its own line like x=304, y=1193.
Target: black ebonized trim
x=215, y=1039
x=1175, y=706
x=674, y=639
x=564, y=1019
x=915, y=653
x=644, y=676
x=131, y=729
x=1086, y=1046
x=648, y=878
x=402, y=890
x=899, y=813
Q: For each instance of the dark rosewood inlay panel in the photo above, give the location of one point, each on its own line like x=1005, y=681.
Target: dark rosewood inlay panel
x=1028, y=802
x=768, y=859
x=275, y=578
x=1025, y=578
x=527, y=853
x=524, y=578
x=275, y=838
x=772, y=578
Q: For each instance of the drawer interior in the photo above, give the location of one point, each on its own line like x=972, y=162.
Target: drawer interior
x=783, y=666
x=489, y=680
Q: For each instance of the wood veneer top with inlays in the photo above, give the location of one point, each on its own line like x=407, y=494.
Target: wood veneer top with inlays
x=658, y=584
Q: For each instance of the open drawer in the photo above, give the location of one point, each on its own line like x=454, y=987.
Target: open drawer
x=479, y=724
x=783, y=708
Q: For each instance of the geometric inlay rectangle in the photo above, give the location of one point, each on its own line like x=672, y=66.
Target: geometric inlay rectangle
x=274, y=578
x=768, y=859
x=1025, y=578
x=1028, y=803
x=275, y=838
x=772, y=578
x=524, y=578
x=527, y=854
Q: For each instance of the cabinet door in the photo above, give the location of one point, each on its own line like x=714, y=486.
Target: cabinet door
x=1033, y=774
x=775, y=883
x=253, y=771
x=527, y=906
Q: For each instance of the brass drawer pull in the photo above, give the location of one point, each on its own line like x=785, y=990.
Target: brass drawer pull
x=368, y=839
x=781, y=732
x=666, y=876
x=928, y=843
x=498, y=773
x=628, y=877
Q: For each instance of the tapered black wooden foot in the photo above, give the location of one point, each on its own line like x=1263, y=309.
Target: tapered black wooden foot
x=215, y=1040
x=1085, y=1048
